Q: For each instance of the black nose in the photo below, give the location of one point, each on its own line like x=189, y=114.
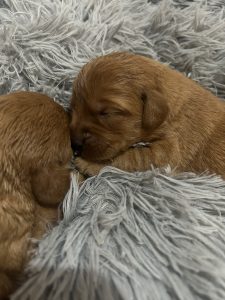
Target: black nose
x=77, y=147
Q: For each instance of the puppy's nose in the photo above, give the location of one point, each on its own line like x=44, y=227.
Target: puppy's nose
x=77, y=146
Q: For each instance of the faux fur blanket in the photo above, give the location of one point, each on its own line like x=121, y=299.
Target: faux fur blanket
x=142, y=236
x=125, y=236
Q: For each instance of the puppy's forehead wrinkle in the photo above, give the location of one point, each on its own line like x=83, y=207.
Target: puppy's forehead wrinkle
x=126, y=104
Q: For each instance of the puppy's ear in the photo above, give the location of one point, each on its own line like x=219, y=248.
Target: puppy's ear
x=155, y=109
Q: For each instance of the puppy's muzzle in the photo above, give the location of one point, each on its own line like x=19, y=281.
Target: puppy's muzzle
x=77, y=147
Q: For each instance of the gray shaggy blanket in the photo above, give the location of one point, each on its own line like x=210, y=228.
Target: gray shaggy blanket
x=142, y=236
x=124, y=236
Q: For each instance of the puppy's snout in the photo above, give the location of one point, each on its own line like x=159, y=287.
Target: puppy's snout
x=77, y=146
x=79, y=141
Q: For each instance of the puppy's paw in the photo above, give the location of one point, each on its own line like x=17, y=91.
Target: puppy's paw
x=87, y=168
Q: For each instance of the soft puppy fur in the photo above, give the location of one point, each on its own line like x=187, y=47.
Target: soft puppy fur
x=122, y=99
x=35, y=152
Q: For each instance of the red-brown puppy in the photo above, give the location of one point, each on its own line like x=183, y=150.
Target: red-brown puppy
x=122, y=99
x=35, y=153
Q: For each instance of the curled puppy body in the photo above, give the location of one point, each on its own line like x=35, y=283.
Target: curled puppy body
x=35, y=152
x=122, y=99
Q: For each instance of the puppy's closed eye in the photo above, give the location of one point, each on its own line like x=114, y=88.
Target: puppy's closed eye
x=110, y=113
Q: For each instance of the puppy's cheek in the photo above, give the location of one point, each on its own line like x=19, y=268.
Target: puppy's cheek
x=103, y=152
x=95, y=153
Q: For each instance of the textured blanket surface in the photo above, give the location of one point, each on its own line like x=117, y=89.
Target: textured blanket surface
x=141, y=236
x=45, y=43
x=138, y=236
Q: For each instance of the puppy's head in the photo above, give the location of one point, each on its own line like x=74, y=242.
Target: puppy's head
x=31, y=134
x=116, y=103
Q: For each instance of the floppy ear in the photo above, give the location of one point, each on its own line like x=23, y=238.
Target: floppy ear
x=155, y=109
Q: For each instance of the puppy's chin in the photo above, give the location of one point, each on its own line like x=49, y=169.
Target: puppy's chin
x=100, y=154
x=94, y=155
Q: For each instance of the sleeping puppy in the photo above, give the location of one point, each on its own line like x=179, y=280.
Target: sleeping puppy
x=122, y=99
x=35, y=151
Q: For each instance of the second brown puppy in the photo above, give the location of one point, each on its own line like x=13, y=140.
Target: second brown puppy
x=122, y=99
x=35, y=152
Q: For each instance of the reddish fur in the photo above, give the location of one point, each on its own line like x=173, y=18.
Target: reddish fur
x=34, y=155
x=184, y=122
